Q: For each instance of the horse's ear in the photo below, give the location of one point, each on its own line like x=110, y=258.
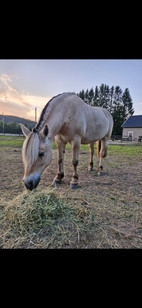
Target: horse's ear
x=25, y=130
x=45, y=131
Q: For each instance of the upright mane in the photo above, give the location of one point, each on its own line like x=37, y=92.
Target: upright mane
x=46, y=110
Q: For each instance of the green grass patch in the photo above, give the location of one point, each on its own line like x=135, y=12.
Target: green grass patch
x=14, y=141
x=6, y=141
x=126, y=150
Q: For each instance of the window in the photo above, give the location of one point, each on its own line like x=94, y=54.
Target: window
x=130, y=135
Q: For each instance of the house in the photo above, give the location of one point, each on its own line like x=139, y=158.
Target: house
x=132, y=127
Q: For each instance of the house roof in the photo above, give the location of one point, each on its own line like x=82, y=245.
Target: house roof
x=133, y=121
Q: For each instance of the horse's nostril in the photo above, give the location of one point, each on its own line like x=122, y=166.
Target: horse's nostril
x=29, y=185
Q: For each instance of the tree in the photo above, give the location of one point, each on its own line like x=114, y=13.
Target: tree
x=86, y=100
x=91, y=96
x=127, y=102
x=117, y=111
x=111, y=99
x=104, y=96
x=117, y=98
x=82, y=94
x=96, y=97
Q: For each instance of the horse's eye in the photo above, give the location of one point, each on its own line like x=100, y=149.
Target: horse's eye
x=41, y=154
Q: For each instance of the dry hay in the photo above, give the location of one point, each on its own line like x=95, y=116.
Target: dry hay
x=41, y=219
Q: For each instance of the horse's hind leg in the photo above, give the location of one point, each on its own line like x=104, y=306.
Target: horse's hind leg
x=90, y=168
x=75, y=152
x=102, y=154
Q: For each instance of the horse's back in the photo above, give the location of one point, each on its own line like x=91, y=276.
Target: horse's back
x=90, y=123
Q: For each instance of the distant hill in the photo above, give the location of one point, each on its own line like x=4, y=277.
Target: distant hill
x=10, y=119
x=11, y=125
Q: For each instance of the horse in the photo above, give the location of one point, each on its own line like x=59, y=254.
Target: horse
x=65, y=118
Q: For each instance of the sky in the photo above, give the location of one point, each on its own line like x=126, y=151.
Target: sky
x=26, y=84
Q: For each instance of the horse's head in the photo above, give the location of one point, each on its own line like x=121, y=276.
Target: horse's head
x=37, y=155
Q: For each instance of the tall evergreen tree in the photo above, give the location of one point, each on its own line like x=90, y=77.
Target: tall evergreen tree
x=117, y=98
x=111, y=99
x=91, y=96
x=86, y=100
x=117, y=111
x=127, y=102
x=81, y=94
x=96, y=97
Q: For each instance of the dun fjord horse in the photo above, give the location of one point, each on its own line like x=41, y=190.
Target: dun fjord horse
x=67, y=119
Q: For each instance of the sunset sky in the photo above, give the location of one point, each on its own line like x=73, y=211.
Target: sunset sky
x=26, y=84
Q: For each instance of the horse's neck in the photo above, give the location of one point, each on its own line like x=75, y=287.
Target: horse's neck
x=54, y=121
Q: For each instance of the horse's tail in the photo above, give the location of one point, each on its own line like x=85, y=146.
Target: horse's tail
x=99, y=149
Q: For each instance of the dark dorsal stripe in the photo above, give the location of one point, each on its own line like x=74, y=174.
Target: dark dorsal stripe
x=38, y=126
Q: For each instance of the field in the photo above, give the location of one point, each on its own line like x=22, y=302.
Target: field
x=105, y=212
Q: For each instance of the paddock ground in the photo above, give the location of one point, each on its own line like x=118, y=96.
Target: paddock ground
x=110, y=206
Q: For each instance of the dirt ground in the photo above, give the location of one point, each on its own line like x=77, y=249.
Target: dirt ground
x=112, y=203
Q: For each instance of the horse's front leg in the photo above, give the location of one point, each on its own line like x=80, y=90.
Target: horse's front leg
x=60, y=173
x=75, y=153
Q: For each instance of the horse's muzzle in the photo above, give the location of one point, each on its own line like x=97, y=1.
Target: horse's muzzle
x=31, y=184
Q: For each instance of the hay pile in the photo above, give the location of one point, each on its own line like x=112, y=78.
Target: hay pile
x=34, y=211
x=40, y=219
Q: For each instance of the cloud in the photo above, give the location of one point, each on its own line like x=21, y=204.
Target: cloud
x=11, y=108
x=13, y=102
x=34, y=101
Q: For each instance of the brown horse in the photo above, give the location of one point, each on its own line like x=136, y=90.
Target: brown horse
x=67, y=119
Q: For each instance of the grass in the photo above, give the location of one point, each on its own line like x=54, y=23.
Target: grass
x=130, y=149
x=127, y=150
x=10, y=141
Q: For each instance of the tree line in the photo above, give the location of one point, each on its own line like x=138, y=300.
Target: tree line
x=118, y=102
x=10, y=124
x=11, y=128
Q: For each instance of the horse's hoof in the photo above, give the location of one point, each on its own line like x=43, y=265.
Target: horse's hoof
x=74, y=186
x=91, y=169
x=101, y=173
x=55, y=183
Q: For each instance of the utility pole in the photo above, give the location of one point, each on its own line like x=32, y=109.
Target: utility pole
x=36, y=114
x=3, y=124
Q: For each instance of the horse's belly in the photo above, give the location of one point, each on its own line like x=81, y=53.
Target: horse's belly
x=87, y=140
x=94, y=134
